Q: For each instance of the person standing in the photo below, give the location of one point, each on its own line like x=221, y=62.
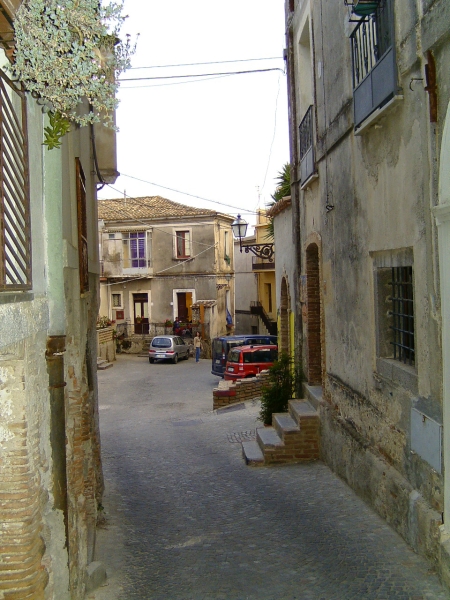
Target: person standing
x=197, y=346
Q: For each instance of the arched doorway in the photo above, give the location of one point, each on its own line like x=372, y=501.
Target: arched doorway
x=284, y=317
x=314, y=332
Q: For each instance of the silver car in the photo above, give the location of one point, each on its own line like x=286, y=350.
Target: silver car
x=168, y=347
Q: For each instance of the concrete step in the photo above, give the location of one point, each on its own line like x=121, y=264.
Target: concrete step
x=284, y=424
x=301, y=408
x=252, y=453
x=268, y=439
x=313, y=394
x=103, y=364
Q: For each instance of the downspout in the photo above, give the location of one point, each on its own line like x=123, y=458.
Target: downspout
x=295, y=181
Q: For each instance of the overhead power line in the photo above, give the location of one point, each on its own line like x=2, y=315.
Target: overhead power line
x=214, y=62
x=242, y=211
x=203, y=74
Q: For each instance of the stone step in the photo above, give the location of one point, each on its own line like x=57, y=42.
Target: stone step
x=301, y=408
x=103, y=364
x=252, y=453
x=268, y=439
x=284, y=424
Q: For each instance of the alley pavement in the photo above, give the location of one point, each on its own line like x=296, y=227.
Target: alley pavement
x=185, y=519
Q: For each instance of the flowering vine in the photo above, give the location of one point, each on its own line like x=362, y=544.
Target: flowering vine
x=69, y=50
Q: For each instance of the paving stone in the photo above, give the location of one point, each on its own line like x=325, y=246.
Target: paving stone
x=186, y=519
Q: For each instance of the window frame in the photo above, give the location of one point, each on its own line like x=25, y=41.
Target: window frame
x=177, y=237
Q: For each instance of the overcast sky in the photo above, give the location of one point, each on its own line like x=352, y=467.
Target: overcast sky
x=220, y=138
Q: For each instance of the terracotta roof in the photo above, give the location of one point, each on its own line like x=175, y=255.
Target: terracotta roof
x=279, y=206
x=148, y=207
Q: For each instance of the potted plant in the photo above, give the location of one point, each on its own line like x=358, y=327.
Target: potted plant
x=68, y=51
x=279, y=389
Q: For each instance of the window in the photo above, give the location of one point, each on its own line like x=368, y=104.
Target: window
x=15, y=238
x=116, y=300
x=402, y=313
x=82, y=228
x=395, y=318
x=183, y=244
x=134, y=249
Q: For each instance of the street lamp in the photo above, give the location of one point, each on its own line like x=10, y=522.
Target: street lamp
x=239, y=228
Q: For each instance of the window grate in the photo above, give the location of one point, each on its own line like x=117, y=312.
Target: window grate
x=15, y=237
x=402, y=312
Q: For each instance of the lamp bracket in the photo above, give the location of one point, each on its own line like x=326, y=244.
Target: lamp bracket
x=261, y=250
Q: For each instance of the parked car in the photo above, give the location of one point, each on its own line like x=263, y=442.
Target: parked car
x=168, y=347
x=221, y=347
x=248, y=361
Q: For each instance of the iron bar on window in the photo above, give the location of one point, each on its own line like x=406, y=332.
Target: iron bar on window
x=402, y=313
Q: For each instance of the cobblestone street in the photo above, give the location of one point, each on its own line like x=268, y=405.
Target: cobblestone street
x=186, y=519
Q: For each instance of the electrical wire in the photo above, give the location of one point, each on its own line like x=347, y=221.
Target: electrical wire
x=156, y=85
x=241, y=211
x=146, y=223
x=202, y=74
x=274, y=132
x=215, y=62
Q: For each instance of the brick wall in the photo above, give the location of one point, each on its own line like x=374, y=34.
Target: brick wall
x=314, y=316
x=232, y=392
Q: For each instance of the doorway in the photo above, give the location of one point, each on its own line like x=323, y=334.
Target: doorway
x=184, y=304
x=140, y=302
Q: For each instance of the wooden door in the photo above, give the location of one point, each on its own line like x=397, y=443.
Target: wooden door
x=141, y=326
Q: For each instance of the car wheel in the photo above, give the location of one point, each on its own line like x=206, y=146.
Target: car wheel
x=151, y=360
x=187, y=355
x=175, y=359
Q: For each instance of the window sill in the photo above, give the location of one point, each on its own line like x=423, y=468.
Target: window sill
x=7, y=297
x=399, y=373
x=182, y=257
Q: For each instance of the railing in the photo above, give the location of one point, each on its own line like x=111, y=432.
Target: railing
x=307, y=167
x=15, y=235
x=256, y=308
x=259, y=264
x=373, y=58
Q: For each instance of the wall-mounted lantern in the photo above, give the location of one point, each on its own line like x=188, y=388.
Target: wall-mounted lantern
x=239, y=228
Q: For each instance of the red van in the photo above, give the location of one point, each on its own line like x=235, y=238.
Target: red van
x=248, y=361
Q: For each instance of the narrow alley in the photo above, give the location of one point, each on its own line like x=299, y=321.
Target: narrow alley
x=185, y=518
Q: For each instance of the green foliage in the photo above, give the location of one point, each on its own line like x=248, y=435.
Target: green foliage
x=282, y=190
x=68, y=51
x=58, y=127
x=280, y=388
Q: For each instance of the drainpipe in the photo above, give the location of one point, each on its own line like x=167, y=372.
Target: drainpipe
x=295, y=183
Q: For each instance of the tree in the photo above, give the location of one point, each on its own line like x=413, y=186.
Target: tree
x=283, y=189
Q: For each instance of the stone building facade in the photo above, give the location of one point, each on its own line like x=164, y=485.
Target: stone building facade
x=50, y=468
x=369, y=90
x=159, y=258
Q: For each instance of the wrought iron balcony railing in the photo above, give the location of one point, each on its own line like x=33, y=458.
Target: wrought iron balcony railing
x=373, y=57
x=307, y=166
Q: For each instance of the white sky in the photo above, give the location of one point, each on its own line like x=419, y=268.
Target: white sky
x=218, y=138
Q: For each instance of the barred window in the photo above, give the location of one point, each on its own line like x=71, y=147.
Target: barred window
x=15, y=235
x=402, y=313
x=116, y=300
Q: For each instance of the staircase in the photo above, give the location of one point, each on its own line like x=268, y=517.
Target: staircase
x=294, y=437
x=256, y=308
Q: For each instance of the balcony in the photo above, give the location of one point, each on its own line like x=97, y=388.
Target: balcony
x=307, y=166
x=374, y=64
x=261, y=264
